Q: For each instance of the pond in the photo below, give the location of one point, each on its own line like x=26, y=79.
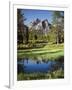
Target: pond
x=30, y=66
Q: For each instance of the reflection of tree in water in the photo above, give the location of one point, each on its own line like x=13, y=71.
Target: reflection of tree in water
x=61, y=59
x=45, y=61
x=59, y=64
x=27, y=60
x=38, y=62
x=20, y=68
x=51, y=65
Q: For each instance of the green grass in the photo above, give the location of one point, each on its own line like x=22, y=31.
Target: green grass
x=50, y=51
x=35, y=76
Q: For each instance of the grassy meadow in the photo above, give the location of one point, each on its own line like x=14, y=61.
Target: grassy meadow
x=57, y=74
x=48, y=52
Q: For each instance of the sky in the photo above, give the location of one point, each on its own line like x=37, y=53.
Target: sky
x=31, y=15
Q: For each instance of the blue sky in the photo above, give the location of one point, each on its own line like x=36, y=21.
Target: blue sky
x=31, y=14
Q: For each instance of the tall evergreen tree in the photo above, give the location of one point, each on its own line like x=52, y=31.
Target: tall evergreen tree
x=20, y=26
x=58, y=23
x=22, y=30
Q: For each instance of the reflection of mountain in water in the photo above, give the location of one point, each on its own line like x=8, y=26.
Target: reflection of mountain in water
x=29, y=65
x=42, y=26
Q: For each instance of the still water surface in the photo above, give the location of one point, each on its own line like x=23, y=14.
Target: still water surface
x=29, y=65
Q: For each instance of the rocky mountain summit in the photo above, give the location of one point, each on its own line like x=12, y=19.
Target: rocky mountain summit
x=42, y=26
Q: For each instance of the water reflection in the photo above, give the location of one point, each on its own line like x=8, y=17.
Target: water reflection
x=27, y=65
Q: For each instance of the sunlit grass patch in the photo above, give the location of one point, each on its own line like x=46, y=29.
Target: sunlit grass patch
x=48, y=52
